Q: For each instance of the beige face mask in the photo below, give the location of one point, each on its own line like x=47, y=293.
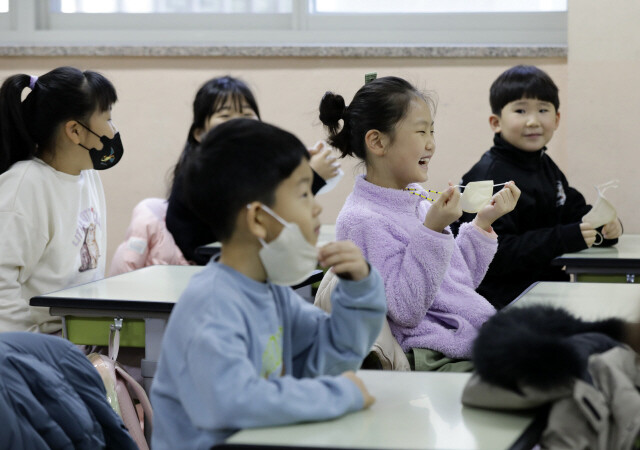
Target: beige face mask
x=603, y=211
x=476, y=195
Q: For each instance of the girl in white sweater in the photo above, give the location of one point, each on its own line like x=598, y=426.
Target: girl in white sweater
x=52, y=206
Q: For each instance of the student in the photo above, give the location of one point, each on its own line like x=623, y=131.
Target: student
x=241, y=349
x=547, y=221
x=52, y=206
x=147, y=241
x=430, y=277
x=218, y=100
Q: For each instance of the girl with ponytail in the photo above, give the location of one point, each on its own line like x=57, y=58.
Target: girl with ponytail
x=52, y=206
x=430, y=277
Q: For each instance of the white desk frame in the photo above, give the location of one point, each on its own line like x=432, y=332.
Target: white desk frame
x=327, y=234
x=620, y=259
x=148, y=293
x=589, y=301
x=413, y=410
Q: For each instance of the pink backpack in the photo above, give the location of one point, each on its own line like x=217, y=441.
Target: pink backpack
x=120, y=386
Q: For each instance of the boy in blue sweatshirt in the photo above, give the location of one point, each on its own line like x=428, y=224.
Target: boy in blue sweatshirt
x=241, y=349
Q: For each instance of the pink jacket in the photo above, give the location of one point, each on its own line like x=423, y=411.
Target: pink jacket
x=147, y=242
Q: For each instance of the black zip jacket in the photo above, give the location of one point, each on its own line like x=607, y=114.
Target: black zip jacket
x=545, y=223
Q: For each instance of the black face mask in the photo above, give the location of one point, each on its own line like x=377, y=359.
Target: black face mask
x=110, y=154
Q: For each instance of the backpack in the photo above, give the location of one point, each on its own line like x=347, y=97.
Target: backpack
x=120, y=386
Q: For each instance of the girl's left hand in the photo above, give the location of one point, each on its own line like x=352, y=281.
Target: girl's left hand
x=501, y=203
x=323, y=161
x=612, y=230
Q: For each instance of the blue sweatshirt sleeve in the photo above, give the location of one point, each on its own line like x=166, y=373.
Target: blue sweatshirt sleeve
x=218, y=370
x=330, y=344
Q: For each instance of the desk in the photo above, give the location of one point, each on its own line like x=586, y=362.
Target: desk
x=148, y=293
x=417, y=410
x=589, y=301
x=327, y=234
x=619, y=263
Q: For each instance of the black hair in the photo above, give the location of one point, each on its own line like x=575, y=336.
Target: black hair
x=522, y=82
x=238, y=162
x=211, y=96
x=379, y=104
x=28, y=128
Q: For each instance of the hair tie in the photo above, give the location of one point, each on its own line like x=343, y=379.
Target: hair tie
x=32, y=81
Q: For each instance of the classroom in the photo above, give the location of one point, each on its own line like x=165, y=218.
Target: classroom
x=157, y=54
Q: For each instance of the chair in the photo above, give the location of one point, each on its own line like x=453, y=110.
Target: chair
x=385, y=347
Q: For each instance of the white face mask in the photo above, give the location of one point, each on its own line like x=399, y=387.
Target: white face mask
x=476, y=195
x=603, y=211
x=331, y=183
x=289, y=259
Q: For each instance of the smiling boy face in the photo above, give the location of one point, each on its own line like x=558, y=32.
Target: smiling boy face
x=527, y=123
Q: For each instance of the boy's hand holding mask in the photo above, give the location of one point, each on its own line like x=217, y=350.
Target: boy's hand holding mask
x=346, y=260
x=612, y=230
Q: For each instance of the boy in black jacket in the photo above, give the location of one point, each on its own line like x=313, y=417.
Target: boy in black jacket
x=547, y=220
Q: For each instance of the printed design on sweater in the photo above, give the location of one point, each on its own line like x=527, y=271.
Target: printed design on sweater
x=561, y=197
x=89, y=252
x=272, y=355
x=86, y=237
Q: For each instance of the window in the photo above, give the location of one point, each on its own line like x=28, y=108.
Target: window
x=172, y=6
x=4, y=16
x=284, y=22
x=435, y=6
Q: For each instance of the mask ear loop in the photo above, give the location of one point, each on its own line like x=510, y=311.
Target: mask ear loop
x=598, y=235
x=604, y=186
x=272, y=214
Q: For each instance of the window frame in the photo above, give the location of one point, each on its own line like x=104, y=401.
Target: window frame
x=30, y=22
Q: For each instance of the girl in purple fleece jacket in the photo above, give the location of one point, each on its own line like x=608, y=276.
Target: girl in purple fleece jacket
x=430, y=277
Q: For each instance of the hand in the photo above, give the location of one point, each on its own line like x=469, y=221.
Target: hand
x=612, y=230
x=368, y=398
x=323, y=161
x=345, y=260
x=501, y=203
x=445, y=210
x=588, y=233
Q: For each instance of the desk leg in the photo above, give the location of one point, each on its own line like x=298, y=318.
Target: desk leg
x=65, y=333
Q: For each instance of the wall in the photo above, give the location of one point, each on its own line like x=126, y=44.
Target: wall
x=603, y=68
x=153, y=114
